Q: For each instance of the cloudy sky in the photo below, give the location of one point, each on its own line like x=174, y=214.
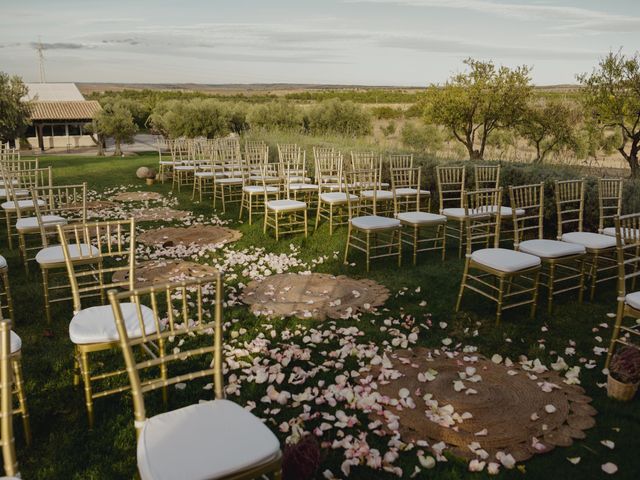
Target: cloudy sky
x=369, y=42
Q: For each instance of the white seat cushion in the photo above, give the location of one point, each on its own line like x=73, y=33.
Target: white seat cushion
x=303, y=186
x=627, y=232
x=26, y=204
x=259, y=189
x=551, y=248
x=31, y=223
x=3, y=262
x=55, y=254
x=204, y=441
x=337, y=197
x=267, y=178
x=595, y=241
x=374, y=222
x=331, y=186
x=406, y=192
x=633, y=300
x=98, y=325
x=286, y=205
x=380, y=194
x=168, y=162
x=298, y=179
x=421, y=218
x=185, y=168
x=506, y=211
x=205, y=174
x=229, y=181
x=19, y=192
x=505, y=260
x=16, y=342
x=459, y=213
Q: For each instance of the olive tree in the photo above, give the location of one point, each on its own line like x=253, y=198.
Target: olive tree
x=193, y=118
x=342, y=117
x=14, y=113
x=116, y=121
x=473, y=104
x=548, y=126
x=611, y=93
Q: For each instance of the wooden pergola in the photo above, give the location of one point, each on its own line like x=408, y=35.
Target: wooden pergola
x=70, y=112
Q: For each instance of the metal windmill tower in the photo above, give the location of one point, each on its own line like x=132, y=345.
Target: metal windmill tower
x=40, y=50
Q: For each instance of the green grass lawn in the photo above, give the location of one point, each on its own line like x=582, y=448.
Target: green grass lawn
x=64, y=448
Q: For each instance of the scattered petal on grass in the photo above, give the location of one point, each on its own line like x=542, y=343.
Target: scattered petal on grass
x=608, y=444
x=609, y=468
x=574, y=460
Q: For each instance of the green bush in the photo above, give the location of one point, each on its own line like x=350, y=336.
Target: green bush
x=193, y=118
x=387, y=113
x=339, y=117
x=420, y=137
x=278, y=115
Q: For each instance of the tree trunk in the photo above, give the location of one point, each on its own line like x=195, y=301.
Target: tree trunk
x=632, y=158
x=100, y=144
x=118, y=150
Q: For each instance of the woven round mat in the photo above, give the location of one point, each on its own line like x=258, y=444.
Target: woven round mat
x=96, y=205
x=161, y=271
x=136, y=196
x=195, y=235
x=512, y=408
x=159, y=213
x=315, y=295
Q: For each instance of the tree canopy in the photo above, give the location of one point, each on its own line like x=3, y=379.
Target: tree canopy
x=115, y=120
x=611, y=94
x=15, y=113
x=475, y=103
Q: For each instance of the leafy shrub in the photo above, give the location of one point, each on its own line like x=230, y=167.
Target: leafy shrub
x=335, y=116
x=389, y=129
x=278, y=115
x=387, y=113
x=421, y=137
x=193, y=118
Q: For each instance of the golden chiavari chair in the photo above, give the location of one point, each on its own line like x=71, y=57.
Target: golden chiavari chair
x=609, y=204
x=284, y=215
x=50, y=206
x=375, y=199
x=25, y=180
x=507, y=277
x=108, y=263
x=185, y=167
x=266, y=183
x=409, y=209
x=562, y=262
x=15, y=385
x=203, y=181
x=10, y=166
x=230, y=176
x=451, y=190
x=374, y=235
x=398, y=165
x=256, y=154
x=486, y=177
x=6, y=301
x=600, y=260
x=210, y=439
x=293, y=170
x=9, y=458
x=627, y=259
x=332, y=200
x=165, y=166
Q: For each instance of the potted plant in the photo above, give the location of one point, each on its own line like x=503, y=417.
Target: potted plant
x=624, y=374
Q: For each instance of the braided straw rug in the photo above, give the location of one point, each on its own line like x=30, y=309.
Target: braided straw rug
x=159, y=213
x=200, y=235
x=136, y=196
x=315, y=295
x=508, y=411
x=161, y=271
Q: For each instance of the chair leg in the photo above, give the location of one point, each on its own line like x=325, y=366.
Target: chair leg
x=7, y=217
x=45, y=291
x=463, y=284
x=594, y=276
x=305, y=224
x=534, y=304
x=581, y=290
x=444, y=241
x=86, y=380
x=400, y=249
x=277, y=226
x=460, y=238
x=346, y=250
x=7, y=292
x=500, y=300
x=616, y=332
x=552, y=277
x=368, y=243
x=18, y=380
x=415, y=245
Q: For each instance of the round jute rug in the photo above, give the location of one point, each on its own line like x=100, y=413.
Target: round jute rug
x=315, y=295
x=195, y=235
x=159, y=213
x=161, y=271
x=136, y=196
x=502, y=408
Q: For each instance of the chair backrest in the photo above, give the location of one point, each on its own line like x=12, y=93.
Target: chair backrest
x=366, y=161
x=15, y=180
x=17, y=164
x=483, y=218
x=66, y=201
x=405, y=177
x=289, y=152
x=400, y=161
x=451, y=186
x=255, y=144
x=187, y=316
x=255, y=155
x=528, y=199
x=356, y=180
x=628, y=250
x=486, y=176
x=569, y=196
x=270, y=175
x=329, y=165
x=9, y=458
x=108, y=248
x=293, y=163
x=609, y=201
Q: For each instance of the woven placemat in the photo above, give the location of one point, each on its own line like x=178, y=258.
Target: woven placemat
x=315, y=295
x=161, y=271
x=136, y=196
x=195, y=235
x=508, y=410
x=159, y=213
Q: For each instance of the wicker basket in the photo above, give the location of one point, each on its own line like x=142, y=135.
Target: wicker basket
x=150, y=181
x=621, y=391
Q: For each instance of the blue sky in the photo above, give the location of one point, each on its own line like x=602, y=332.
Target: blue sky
x=369, y=42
